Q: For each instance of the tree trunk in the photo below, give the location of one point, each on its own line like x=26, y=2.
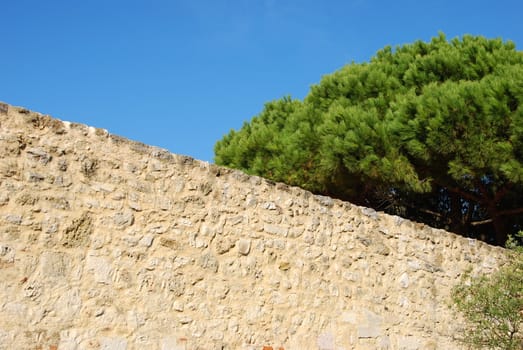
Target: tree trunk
x=500, y=230
x=457, y=224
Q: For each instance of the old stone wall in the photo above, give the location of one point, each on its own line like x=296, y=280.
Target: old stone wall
x=107, y=243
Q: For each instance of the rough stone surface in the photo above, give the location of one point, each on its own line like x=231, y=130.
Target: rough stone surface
x=107, y=243
x=244, y=246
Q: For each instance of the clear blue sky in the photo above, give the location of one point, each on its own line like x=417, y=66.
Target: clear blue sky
x=180, y=74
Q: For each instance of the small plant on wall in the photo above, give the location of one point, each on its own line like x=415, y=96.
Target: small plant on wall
x=493, y=306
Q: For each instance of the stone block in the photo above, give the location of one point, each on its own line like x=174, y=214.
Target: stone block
x=369, y=331
x=209, y=261
x=147, y=241
x=269, y=206
x=168, y=242
x=116, y=343
x=284, y=266
x=4, y=198
x=101, y=269
x=410, y=343
x=173, y=343
x=13, y=219
x=384, y=343
x=123, y=219
x=78, y=233
x=326, y=341
x=349, y=317
x=404, y=280
x=244, y=246
x=55, y=266
x=39, y=155
x=224, y=245
x=178, y=305
x=371, y=327
x=276, y=230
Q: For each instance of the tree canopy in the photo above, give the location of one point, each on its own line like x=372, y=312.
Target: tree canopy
x=432, y=131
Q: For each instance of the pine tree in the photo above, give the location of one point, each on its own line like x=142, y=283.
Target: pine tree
x=431, y=131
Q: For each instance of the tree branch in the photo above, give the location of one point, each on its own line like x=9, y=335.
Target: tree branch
x=502, y=192
x=510, y=212
x=482, y=222
x=500, y=213
x=465, y=194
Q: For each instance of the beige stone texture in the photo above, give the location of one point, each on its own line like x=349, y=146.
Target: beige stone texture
x=107, y=243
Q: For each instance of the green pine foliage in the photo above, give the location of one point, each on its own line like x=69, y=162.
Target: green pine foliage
x=431, y=131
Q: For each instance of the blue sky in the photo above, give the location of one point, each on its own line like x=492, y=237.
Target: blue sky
x=180, y=74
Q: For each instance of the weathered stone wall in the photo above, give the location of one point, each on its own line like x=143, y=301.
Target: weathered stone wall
x=107, y=243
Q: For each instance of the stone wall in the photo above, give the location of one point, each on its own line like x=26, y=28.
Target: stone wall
x=107, y=243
